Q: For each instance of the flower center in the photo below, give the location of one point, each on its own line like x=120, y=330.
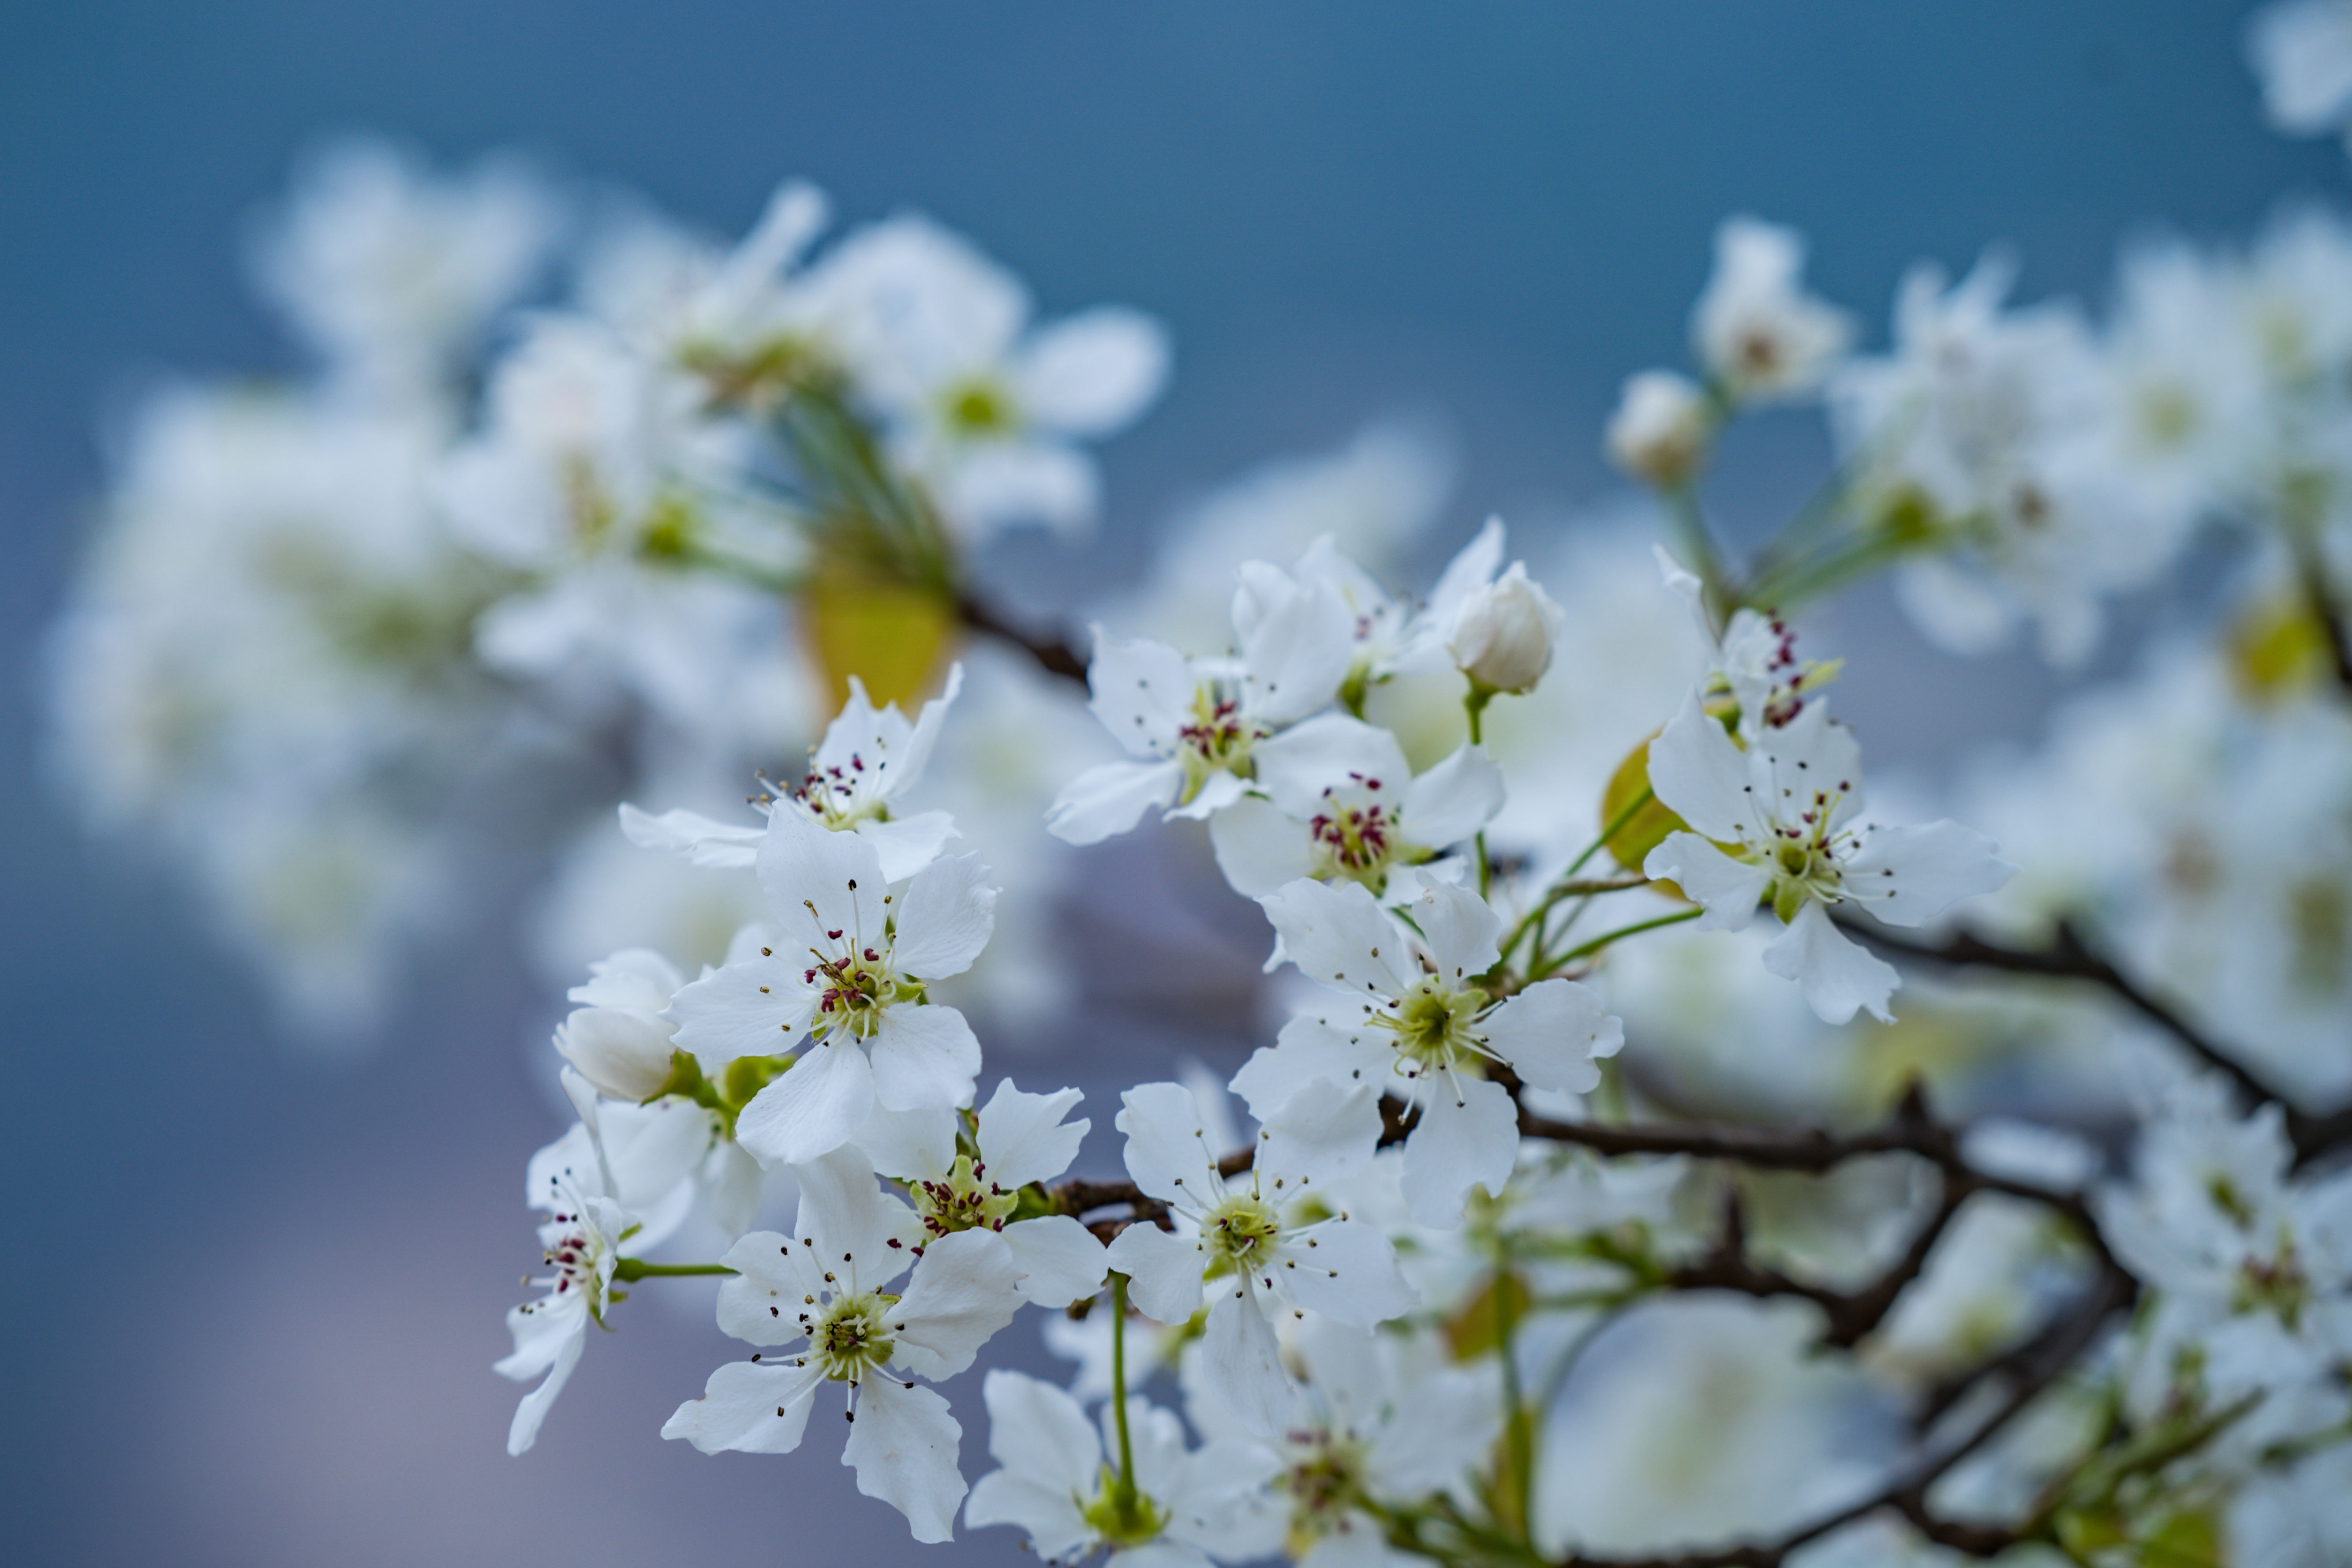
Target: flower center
x=1323, y=1485
x=1239, y=1232
x=832, y=795
x=851, y=1339
x=963, y=1200
x=1216, y=739
x=1355, y=841
x=859, y=985
x=1433, y=1027
x=978, y=408
x=2275, y=1285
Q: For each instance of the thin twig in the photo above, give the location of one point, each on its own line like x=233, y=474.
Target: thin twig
x=2068, y=957
x=1052, y=654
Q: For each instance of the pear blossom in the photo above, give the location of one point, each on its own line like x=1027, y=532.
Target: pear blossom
x=936, y=338
x=976, y=1181
x=1761, y=336
x=1504, y=631
x=1381, y=1421
x=1755, y=661
x=392, y=272
x=1237, y=1234
x=1054, y=1481
x=2251, y=1267
x=2302, y=52
x=1341, y=802
x=1662, y=429
x=612, y=1177
x=1777, y=822
x=845, y=968
x=831, y=1277
x=1421, y=1027
x=870, y=757
x=582, y=1237
x=1195, y=723
x=1393, y=636
x=619, y=1041
x=1983, y=433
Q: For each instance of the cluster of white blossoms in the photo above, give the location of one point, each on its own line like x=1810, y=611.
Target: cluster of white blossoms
x=1572, y=1187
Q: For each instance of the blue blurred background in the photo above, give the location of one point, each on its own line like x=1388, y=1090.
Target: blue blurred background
x=256, y=1295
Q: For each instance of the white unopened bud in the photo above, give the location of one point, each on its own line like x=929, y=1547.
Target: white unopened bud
x=1661, y=431
x=1503, y=636
x=625, y=1054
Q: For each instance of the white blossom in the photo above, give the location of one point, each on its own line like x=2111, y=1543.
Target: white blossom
x=824, y=1291
x=1503, y=632
x=976, y=1182
x=1759, y=335
x=870, y=757
x=1342, y=804
x=1424, y=1030
x=1195, y=723
x=1662, y=428
x=1054, y=1482
x=1775, y=823
x=1247, y=1237
x=846, y=966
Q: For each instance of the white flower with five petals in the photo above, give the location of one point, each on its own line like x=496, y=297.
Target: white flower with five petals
x=974, y=1182
x=846, y=968
x=870, y=757
x=1245, y=1235
x=1776, y=822
x=1421, y=1027
x=822, y=1291
x=1196, y=723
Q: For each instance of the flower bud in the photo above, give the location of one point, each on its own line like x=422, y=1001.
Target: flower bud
x=625, y=1054
x=1661, y=431
x=1503, y=637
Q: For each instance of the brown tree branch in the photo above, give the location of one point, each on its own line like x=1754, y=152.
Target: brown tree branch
x=1052, y=654
x=2068, y=957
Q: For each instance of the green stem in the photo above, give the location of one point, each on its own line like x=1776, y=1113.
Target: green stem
x=1518, y=1430
x=1123, y=1493
x=1605, y=938
x=638, y=1268
x=1611, y=828
x=1568, y=886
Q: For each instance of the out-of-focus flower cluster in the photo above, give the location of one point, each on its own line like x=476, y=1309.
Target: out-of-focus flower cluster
x=1654, y=1146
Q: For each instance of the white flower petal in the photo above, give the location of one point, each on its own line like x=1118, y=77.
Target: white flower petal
x=1060, y=1260
x=1308, y=1049
x=1339, y=936
x=1698, y=774
x=1297, y=766
x=944, y=918
x=910, y=1144
x=1906, y=875
x=760, y=1007
x=1110, y=798
x=802, y=865
x=1836, y=973
x=1462, y=930
x=1242, y=1364
x=1163, y=1270
x=1551, y=1034
x=961, y=1293
x=700, y=840
x=1458, y=1144
x=846, y=1218
x=1023, y=1138
x=923, y=1056
x=1452, y=801
x=1349, y=1274
x=1168, y=1152
x=1091, y=374
x=749, y=1409
x=1142, y=692
x=1258, y=847
x=811, y=1111
x=1729, y=890
x=906, y=845
x=903, y=1447
x=1323, y=1132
